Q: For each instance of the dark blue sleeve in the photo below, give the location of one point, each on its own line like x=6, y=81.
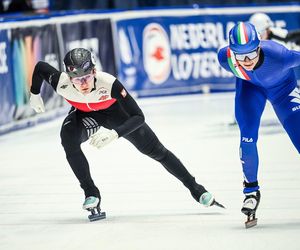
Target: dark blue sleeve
x=291, y=58
x=222, y=57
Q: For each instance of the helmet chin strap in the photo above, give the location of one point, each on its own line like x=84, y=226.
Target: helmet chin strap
x=94, y=88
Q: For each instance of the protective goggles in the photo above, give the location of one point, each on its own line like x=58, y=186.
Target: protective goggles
x=251, y=55
x=82, y=79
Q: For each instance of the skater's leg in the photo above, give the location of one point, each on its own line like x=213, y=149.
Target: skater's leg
x=250, y=102
x=288, y=113
x=249, y=105
x=147, y=142
x=73, y=133
x=291, y=126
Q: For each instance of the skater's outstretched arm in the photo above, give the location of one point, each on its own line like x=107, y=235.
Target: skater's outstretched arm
x=42, y=71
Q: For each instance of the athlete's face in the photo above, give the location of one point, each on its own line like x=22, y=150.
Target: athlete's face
x=84, y=84
x=248, y=61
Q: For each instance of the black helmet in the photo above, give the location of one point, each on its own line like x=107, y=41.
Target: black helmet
x=79, y=62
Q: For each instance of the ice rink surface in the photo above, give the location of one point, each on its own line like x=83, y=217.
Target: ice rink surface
x=147, y=208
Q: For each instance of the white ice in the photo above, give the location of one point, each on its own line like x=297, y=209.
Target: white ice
x=147, y=208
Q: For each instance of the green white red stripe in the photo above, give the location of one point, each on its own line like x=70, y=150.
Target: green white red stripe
x=235, y=67
x=242, y=34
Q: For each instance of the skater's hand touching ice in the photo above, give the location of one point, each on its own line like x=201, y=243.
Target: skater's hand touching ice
x=36, y=102
x=103, y=137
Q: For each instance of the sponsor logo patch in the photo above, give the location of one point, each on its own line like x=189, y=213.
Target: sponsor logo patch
x=103, y=97
x=102, y=91
x=123, y=93
x=295, y=98
x=245, y=139
x=64, y=86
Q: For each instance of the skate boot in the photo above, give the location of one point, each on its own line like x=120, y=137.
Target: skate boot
x=249, y=208
x=92, y=204
x=207, y=200
x=201, y=195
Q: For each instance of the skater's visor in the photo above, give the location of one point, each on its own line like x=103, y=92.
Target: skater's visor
x=251, y=55
x=82, y=79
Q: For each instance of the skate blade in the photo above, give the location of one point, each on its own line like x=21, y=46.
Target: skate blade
x=215, y=203
x=251, y=223
x=97, y=216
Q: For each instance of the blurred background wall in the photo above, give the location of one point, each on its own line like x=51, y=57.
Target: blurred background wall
x=11, y=6
x=155, y=47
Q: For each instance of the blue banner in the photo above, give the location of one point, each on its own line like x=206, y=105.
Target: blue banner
x=178, y=54
x=7, y=103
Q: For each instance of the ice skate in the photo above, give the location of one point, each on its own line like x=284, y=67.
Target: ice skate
x=92, y=204
x=201, y=195
x=208, y=200
x=249, y=208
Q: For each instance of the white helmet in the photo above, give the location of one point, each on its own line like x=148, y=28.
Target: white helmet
x=261, y=21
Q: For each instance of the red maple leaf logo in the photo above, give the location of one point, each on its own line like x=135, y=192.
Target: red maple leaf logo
x=158, y=54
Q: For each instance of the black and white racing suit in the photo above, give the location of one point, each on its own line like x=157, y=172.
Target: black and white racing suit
x=109, y=105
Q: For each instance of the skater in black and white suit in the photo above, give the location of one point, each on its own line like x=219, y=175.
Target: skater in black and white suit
x=98, y=99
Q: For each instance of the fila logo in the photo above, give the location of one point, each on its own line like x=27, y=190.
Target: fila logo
x=296, y=94
x=245, y=139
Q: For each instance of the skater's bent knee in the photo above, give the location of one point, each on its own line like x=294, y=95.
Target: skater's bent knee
x=70, y=145
x=69, y=140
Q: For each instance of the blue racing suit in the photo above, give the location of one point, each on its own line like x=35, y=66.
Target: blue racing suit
x=272, y=79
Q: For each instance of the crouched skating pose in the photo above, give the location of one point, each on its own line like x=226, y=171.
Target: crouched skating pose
x=98, y=99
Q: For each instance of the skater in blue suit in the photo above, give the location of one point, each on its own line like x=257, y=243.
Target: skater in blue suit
x=264, y=71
